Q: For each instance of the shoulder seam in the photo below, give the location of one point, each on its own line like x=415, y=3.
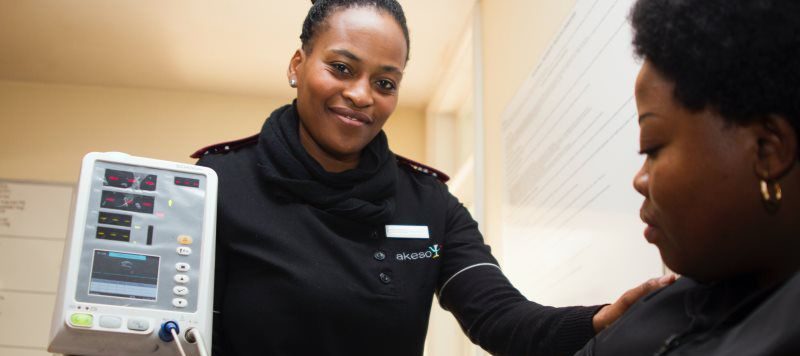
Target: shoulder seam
x=225, y=146
x=421, y=168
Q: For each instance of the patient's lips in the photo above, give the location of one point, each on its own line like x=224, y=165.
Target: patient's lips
x=650, y=232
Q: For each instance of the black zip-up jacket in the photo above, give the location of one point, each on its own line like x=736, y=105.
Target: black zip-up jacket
x=726, y=318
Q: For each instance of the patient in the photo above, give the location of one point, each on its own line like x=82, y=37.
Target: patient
x=718, y=97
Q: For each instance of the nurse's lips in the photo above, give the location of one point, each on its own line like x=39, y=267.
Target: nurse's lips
x=350, y=116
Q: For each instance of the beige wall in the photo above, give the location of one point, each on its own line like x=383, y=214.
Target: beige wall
x=406, y=132
x=515, y=35
x=45, y=129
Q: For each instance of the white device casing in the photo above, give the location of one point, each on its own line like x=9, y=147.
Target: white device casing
x=96, y=340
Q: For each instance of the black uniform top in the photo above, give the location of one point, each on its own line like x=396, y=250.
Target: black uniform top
x=728, y=318
x=299, y=275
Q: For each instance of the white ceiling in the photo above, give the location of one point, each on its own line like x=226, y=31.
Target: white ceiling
x=237, y=47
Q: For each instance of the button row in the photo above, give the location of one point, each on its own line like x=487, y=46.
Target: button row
x=84, y=320
x=182, y=267
x=386, y=276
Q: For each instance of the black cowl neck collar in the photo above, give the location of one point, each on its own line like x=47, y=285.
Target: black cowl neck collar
x=364, y=194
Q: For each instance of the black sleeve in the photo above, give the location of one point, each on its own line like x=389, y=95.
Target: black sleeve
x=220, y=272
x=493, y=313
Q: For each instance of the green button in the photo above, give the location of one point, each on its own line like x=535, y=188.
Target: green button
x=82, y=320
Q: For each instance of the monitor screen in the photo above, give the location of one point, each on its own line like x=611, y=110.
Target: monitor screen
x=124, y=275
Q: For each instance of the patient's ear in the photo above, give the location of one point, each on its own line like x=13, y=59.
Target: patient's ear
x=777, y=147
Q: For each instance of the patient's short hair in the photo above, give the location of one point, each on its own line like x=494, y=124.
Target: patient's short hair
x=738, y=57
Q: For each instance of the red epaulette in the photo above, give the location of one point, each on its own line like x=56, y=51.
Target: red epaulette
x=251, y=140
x=419, y=167
x=226, y=146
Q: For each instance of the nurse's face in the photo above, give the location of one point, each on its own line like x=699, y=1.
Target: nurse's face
x=701, y=192
x=347, y=83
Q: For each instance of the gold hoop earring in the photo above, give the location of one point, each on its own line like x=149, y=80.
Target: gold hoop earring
x=771, y=201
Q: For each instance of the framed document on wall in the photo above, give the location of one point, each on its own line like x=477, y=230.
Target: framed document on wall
x=34, y=220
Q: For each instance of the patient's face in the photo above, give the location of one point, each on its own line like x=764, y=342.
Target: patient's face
x=698, y=183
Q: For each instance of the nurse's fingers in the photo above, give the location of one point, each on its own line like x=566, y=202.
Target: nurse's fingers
x=610, y=313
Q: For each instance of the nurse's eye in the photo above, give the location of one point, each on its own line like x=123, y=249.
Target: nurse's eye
x=341, y=68
x=386, y=85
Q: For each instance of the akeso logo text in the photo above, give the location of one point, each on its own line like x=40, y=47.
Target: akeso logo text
x=432, y=253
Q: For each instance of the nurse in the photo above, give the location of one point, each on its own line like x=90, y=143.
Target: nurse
x=328, y=243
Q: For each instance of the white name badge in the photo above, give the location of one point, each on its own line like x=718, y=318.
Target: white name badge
x=407, y=232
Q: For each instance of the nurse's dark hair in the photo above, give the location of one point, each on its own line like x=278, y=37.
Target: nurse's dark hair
x=322, y=9
x=739, y=57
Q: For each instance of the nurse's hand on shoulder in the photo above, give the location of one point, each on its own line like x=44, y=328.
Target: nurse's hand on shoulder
x=610, y=313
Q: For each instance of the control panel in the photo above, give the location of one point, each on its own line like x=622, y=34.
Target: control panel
x=140, y=255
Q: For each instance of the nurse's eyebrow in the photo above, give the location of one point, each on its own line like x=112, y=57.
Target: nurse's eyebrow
x=347, y=54
x=353, y=57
